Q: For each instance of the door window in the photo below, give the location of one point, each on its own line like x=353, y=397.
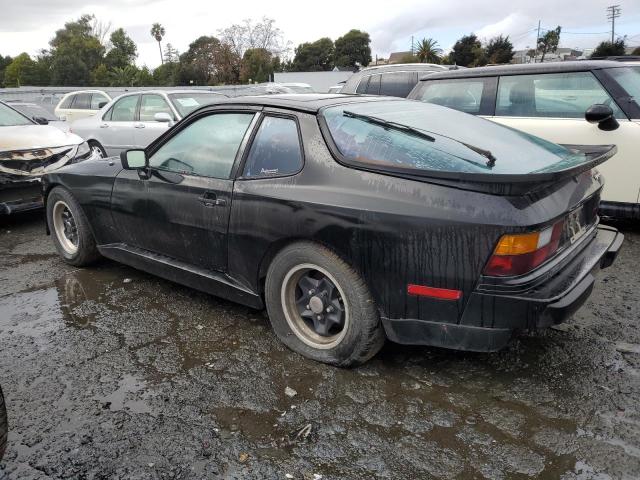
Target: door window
x=124, y=110
x=207, y=147
x=97, y=99
x=555, y=95
x=152, y=104
x=373, y=88
x=275, y=150
x=362, y=86
x=398, y=84
x=82, y=101
x=465, y=95
x=66, y=103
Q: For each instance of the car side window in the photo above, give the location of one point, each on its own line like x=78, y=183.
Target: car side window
x=464, y=95
x=67, y=102
x=552, y=95
x=152, y=104
x=97, y=99
x=362, y=86
x=374, y=85
x=82, y=101
x=398, y=84
x=124, y=110
x=206, y=147
x=276, y=149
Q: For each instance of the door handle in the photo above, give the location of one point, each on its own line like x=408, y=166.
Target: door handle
x=139, y=125
x=210, y=199
x=104, y=125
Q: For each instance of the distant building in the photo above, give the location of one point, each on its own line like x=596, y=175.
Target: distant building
x=398, y=57
x=560, y=55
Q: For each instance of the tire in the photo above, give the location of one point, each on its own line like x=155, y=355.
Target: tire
x=353, y=341
x=99, y=148
x=75, y=244
x=4, y=425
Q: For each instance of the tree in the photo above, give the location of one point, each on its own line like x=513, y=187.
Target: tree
x=548, y=43
x=262, y=34
x=75, y=52
x=144, y=78
x=171, y=54
x=256, y=66
x=123, y=50
x=314, y=57
x=468, y=52
x=123, y=76
x=4, y=63
x=20, y=72
x=158, y=32
x=100, y=76
x=353, y=49
x=166, y=75
x=499, y=50
x=636, y=51
x=209, y=62
x=605, y=49
x=428, y=51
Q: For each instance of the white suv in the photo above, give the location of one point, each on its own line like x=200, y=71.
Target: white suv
x=574, y=103
x=81, y=104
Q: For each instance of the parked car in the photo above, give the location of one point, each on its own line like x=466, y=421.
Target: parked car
x=630, y=60
x=581, y=102
x=395, y=80
x=352, y=219
x=38, y=114
x=27, y=151
x=299, y=87
x=337, y=88
x=81, y=104
x=134, y=120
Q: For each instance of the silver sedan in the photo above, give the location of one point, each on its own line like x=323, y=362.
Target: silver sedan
x=134, y=120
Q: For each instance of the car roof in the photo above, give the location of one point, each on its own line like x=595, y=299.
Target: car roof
x=404, y=67
x=160, y=91
x=526, y=68
x=305, y=102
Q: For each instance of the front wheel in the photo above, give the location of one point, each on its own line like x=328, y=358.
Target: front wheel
x=70, y=228
x=321, y=308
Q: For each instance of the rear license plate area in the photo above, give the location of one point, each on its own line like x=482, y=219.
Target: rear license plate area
x=575, y=225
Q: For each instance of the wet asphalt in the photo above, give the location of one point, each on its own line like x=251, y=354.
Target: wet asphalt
x=111, y=373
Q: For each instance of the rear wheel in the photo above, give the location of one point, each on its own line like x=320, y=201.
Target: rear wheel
x=321, y=308
x=70, y=228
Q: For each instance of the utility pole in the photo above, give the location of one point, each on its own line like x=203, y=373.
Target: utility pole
x=535, y=52
x=613, y=12
x=411, y=44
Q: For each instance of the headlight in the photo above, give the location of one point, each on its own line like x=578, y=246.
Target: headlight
x=83, y=152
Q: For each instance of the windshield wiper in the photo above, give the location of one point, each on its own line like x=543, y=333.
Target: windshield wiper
x=389, y=124
x=485, y=153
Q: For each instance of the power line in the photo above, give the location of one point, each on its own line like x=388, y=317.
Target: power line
x=613, y=12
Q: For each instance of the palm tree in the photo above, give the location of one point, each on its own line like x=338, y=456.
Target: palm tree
x=428, y=51
x=123, y=77
x=157, y=32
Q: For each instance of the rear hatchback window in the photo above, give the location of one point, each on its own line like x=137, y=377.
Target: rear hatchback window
x=414, y=136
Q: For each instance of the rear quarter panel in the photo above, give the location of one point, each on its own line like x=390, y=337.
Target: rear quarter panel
x=393, y=231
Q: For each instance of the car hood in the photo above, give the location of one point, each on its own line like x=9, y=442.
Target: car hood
x=30, y=137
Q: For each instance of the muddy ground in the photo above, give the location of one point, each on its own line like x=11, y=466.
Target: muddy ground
x=111, y=373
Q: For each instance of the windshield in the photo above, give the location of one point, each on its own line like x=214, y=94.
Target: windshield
x=413, y=136
x=629, y=79
x=9, y=117
x=186, y=103
x=31, y=111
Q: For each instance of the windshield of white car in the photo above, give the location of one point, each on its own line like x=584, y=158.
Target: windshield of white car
x=32, y=111
x=186, y=103
x=629, y=79
x=9, y=117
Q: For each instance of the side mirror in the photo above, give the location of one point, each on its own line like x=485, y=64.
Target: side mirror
x=133, y=159
x=41, y=120
x=101, y=104
x=603, y=116
x=163, y=117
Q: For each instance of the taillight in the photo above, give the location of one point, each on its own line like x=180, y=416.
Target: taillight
x=520, y=253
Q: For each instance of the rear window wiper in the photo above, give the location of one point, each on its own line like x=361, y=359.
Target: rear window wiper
x=389, y=124
x=491, y=162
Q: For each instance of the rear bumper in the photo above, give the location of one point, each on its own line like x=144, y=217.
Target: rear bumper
x=21, y=196
x=496, y=310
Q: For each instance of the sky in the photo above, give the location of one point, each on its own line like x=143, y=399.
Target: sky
x=28, y=25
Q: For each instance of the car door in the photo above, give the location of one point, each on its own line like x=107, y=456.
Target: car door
x=79, y=106
x=187, y=191
x=116, y=127
x=147, y=128
x=552, y=106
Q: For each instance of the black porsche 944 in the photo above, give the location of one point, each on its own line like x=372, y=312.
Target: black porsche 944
x=352, y=219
